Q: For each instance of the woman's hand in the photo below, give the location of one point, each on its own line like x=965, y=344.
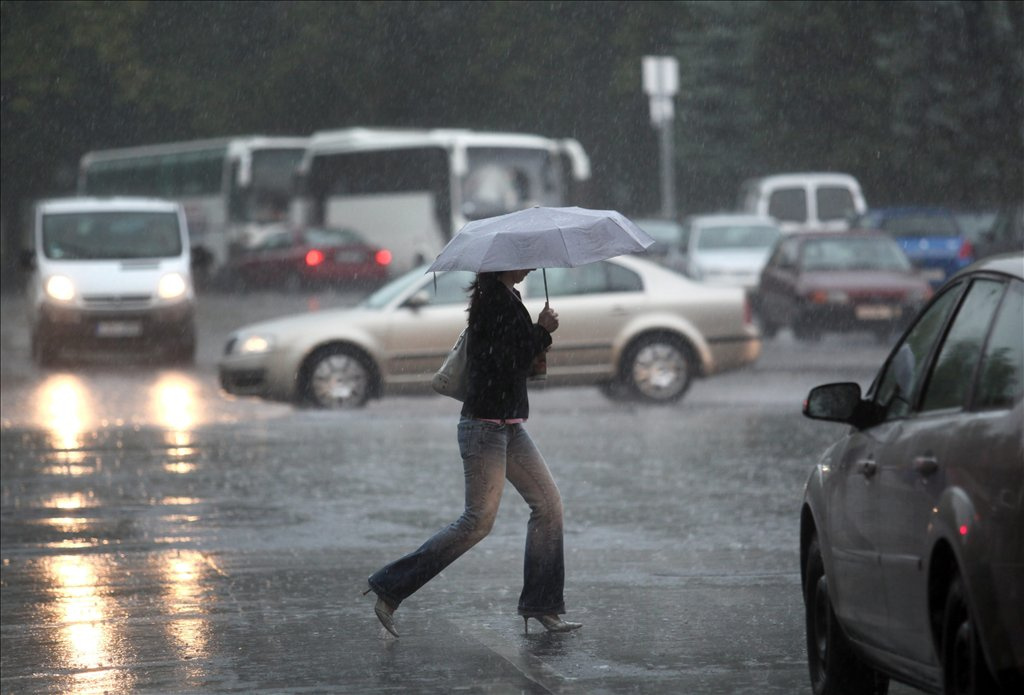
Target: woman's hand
x=548, y=319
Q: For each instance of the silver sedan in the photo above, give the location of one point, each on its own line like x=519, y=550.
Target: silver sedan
x=627, y=325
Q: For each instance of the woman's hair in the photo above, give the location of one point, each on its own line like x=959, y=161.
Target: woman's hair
x=481, y=283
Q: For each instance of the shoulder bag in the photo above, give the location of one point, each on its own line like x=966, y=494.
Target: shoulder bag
x=450, y=379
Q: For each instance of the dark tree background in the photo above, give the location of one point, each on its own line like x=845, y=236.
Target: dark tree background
x=922, y=101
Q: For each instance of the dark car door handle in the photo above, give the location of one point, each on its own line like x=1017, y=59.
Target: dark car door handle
x=926, y=465
x=867, y=467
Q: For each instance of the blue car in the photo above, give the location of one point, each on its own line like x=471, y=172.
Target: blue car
x=931, y=238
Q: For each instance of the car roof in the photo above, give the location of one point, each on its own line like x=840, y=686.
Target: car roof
x=804, y=177
x=1011, y=264
x=63, y=205
x=731, y=218
x=910, y=210
x=849, y=234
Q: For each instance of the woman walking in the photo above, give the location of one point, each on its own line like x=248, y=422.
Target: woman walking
x=502, y=345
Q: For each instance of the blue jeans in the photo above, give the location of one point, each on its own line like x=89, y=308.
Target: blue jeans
x=490, y=454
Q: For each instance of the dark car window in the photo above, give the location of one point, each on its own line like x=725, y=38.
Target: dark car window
x=319, y=236
x=277, y=240
x=786, y=255
x=922, y=225
x=1001, y=382
x=834, y=203
x=853, y=253
x=788, y=205
x=902, y=373
x=951, y=377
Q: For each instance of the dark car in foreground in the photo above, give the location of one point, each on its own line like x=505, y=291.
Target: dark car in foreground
x=310, y=256
x=931, y=237
x=912, y=524
x=838, y=281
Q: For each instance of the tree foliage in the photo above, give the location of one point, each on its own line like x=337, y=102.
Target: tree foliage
x=923, y=101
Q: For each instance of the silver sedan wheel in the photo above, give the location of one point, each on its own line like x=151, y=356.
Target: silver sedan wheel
x=659, y=370
x=338, y=379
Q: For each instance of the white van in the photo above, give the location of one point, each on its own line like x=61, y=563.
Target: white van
x=111, y=274
x=815, y=201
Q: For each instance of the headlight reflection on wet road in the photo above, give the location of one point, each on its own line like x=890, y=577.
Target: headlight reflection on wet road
x=175, y=405
x=183, y=574
x=64, y=410
x=85, y=639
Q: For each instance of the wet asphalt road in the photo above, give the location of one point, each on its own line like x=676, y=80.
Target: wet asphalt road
x=158, y=536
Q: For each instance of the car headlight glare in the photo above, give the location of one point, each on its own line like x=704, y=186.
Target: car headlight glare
x=171, y=286
x=61, y=288
x=255, y=345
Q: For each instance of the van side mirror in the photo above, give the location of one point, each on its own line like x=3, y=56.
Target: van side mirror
x=27, y=259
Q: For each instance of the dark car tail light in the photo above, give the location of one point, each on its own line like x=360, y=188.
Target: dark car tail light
x=382, y=257
x=314, y=257
x=748, y=310
x=966, y=250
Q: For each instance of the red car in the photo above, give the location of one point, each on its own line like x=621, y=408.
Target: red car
x=838, y=281
x=313, y=256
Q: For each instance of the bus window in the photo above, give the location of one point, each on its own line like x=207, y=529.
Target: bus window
x=502, y=180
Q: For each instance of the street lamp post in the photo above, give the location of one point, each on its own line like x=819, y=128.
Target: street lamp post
x=661, y=83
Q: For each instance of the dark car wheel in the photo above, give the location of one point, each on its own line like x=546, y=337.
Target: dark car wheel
x=44, y=353
x=836, y=669
x=804, y=329
x=964, y=671
x=657, y=369
x=336, y=377
x=183, y=353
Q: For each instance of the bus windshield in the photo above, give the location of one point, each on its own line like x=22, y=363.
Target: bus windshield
x=111, y=235
x=265, y=198
x=502, y=180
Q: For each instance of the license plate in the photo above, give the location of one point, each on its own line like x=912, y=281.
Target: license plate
x=119, y=329
x=349, y=256
x=874, y=312
x=933, y=274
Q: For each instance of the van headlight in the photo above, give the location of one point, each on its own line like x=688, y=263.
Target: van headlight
x=61, y=288
x=172, y=286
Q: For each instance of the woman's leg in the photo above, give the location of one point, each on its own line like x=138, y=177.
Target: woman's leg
x=482, y=446
x=544, y=564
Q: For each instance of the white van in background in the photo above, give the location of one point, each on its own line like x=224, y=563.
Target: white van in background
x=816, y=201
x=111, y=274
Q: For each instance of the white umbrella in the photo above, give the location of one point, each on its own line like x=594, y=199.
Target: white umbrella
x=540, y=237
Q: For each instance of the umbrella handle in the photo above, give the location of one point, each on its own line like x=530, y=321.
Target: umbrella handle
x=544, y=271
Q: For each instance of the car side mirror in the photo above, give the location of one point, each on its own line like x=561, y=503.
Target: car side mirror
x=835, y=402
x=420, y=299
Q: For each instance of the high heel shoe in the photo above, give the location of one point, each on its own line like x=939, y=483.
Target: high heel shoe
x=385, y=613
x=551, y=623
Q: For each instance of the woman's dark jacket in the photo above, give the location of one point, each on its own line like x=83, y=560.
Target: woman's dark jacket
x=503, y=342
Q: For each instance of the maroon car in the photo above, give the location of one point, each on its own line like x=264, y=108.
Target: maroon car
x=308, y=257
x=838, y=281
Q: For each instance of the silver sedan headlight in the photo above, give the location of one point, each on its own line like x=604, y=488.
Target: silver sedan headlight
x=255, y=344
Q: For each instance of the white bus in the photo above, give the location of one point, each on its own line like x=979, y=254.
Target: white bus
x=411, y=190
x=231, y=188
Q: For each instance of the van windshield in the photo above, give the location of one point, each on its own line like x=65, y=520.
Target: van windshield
x=109, y=235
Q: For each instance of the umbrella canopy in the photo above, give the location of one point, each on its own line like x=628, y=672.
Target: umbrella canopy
x=540, y=237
